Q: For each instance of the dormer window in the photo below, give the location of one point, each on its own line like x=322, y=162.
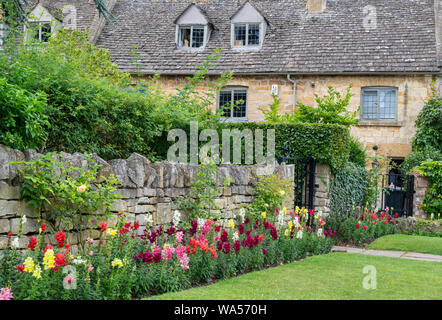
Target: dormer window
x=192, y=29
x=248, y=28
x=247, y=34
x=191, y=36
x=41, y=31
x=41, y=24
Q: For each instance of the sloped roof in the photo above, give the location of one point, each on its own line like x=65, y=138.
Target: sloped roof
x=296, y=42
x=86, y=10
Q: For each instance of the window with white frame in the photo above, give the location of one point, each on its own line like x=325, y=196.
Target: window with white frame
x=246, y=34
x=233, y=103
x=40, y=30
x=192, y=36
x=379, y=103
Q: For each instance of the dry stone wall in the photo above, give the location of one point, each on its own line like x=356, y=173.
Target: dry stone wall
x=146, y=188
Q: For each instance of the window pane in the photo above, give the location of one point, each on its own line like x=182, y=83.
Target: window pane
x=34, y=30
x=387, y=107
x=225, y=102
x=45, y=30
x=239, y=110
x=369, y=104
x=253, y=34
x=184, y=39
x=240, y=35
x=198, y=37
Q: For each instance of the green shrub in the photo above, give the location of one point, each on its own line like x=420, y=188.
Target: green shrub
x=347, y=188
x=330, y=109
x=95, y=108
x=433, y=195
x=357, y=152
x=23, y=117
x=271, y=191
x=67, y=193
x=326, y=143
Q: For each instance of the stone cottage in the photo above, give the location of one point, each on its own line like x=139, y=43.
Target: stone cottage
x=390, y=51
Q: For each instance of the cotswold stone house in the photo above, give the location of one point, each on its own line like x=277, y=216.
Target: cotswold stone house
x=390, y=51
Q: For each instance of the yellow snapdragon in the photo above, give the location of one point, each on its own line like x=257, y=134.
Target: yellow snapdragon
x=117, y=262
x=264, y=214
x=111, y=231
x=231, y=224
x=37, y=272
x=29, y=265
x=49, y=259
x=284, y=210
x=286, y=232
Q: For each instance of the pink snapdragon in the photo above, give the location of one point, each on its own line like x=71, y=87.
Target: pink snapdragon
x=179, y=236
x=166, y=253
x=184, y=261
x=6, y=294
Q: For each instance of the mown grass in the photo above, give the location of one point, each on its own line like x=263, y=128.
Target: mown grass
x=402, y=242
x=332, y=276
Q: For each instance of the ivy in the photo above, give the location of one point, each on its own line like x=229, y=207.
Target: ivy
x=433, y=195
x=348, y=187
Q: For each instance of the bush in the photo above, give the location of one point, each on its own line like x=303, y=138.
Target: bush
x=94, y=107
x=271, y=191
x=331, y=109
x=326, y=143
x=433, y=195
x=23, y=117
x=357, y=152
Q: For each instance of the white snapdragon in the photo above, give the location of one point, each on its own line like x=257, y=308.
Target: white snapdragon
x=78, y=260
x=24, y=219
x=14, y=243
x=149, y=219
x=299, y=234
x=235, y=236
x=319, y=232
x=201, y=222
x=176, y=217
x=242, y=214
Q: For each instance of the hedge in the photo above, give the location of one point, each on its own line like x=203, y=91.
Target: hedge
x=326, y=143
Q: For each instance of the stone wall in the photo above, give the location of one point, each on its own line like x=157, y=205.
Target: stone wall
x=420, y=186
x=393, y=137
x=323, y=178
x=146, y=188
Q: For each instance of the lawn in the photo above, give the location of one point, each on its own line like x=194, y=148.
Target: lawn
x=332, y=276
x=402, y=242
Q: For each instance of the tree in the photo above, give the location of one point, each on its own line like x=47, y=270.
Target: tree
x=331, y=109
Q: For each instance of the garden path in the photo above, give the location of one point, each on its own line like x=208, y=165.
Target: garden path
x=390, y=253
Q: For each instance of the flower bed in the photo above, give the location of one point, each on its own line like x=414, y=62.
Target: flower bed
x=123, y=265
x=361, y=226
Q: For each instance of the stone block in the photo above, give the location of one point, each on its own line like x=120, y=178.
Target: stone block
x=148, y=192
x=4, y=226
x=143, y=200
x=136, y=169
x=163, y=213
x=127, y=193
x=157, y=180
x=8, y=192
x=119, y=169
x=30, y=226
x=119, y=205
x=16, y=208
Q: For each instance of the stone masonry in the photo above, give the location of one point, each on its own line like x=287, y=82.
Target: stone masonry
x=146, y=188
